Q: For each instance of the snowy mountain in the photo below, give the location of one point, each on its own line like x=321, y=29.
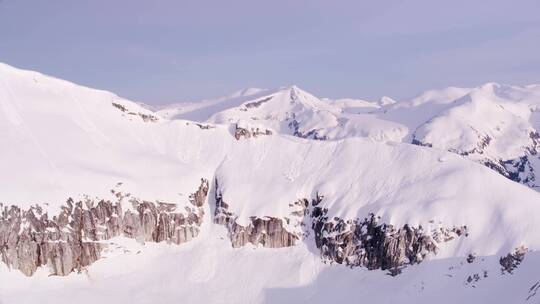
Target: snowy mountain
x=105, y=200
x=292, y=111
x=495, y=125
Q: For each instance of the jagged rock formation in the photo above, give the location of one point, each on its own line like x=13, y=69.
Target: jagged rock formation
x=203, y=126
x=372, y=245
x=512, y=260
x=354, y=243
x=268, y=231
x=294, y=125
x=145, y=117
x=72, y=240
x=258, y=103
x=248, y=132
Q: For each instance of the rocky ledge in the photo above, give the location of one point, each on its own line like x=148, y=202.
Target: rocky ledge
x=72, y=240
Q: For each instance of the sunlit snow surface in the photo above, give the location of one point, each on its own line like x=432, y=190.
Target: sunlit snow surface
x=60, y=140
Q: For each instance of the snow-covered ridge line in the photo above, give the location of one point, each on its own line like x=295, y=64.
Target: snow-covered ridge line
x=493, y=124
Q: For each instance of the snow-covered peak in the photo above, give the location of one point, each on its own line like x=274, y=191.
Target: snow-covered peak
x=289, y=110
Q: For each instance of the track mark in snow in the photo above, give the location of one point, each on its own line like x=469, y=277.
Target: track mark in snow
x=14, y=117
x=533, y=290
x=8, y=108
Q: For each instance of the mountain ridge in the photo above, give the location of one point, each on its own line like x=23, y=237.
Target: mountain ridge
x=92, y=180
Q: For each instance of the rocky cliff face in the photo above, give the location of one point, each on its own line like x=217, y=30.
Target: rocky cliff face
x=72, y=239
x=365, y=242
x=268, y=231
x=355, y=243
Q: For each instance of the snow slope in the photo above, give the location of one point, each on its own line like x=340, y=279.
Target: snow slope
x=63, y=140
x=60, y=139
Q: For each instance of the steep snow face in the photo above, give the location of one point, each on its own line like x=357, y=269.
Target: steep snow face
x=60, y=140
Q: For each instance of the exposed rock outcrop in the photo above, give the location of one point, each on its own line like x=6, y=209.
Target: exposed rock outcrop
x=294, y=125
x=242, y=131
x=144, y=117
x=258, y=103
x=512, y=260
x=267, y=231
x=73, y=239
x=372, y=245
x=518, y=169
x=354, y=243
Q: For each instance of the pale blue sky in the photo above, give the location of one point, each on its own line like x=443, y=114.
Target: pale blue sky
x=170, y=51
